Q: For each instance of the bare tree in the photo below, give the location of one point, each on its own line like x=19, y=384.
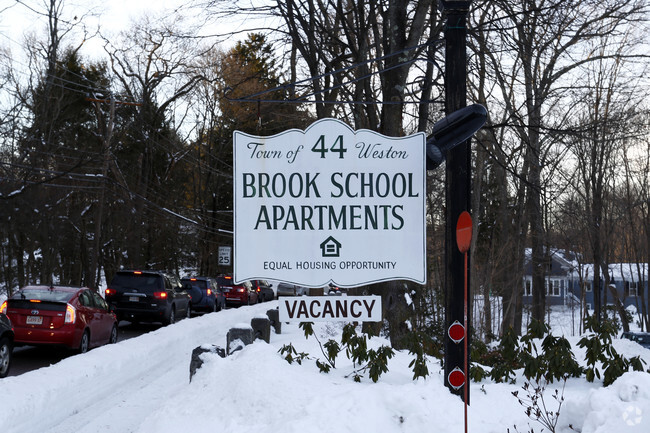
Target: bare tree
x=535, y=49
x=156, y=68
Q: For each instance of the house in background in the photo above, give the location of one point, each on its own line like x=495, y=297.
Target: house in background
x=568, y=282
x=558, y=280
x=629, y=280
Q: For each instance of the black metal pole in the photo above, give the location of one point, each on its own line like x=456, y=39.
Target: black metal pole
x=457, y=186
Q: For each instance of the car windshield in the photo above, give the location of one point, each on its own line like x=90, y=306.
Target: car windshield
x=202, y=284
x=642, y=338
x=44, y=294
x=141, y=281
x=225, y=281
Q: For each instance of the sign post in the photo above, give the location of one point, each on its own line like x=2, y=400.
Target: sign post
x=329, y=205
x=463, y=241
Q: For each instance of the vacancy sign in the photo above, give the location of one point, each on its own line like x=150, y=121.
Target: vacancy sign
x=330, y=308
x=329, y=205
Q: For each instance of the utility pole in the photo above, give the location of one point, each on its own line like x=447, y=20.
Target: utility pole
x=457, y=190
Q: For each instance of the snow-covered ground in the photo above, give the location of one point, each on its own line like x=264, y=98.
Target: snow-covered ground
x=142, y=385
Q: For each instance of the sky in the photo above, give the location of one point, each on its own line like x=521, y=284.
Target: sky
x=19, y=19
x=141, y=385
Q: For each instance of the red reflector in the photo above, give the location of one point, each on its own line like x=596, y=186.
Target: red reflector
x=160, y=295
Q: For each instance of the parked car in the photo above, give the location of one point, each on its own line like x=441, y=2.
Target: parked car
x=205, y=293
x=286, y=289
x=643, y=338
x=264, y=290
x=148, y=296
x=331, y=289
x=75, y=317
x=6, y=344
x=237, y=294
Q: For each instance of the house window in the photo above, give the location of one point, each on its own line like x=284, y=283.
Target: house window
x=587, y=286
x=528, y=289
x=632, y=288
x=554, y=287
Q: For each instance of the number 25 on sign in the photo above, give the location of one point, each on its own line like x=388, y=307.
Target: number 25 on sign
x=337, y=147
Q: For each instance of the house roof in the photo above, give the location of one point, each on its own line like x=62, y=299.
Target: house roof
x=617, y=271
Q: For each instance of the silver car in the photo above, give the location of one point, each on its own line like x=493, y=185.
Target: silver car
x=286, y=289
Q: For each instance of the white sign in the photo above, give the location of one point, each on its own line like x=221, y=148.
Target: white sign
x=329, y=204
x=330, y=309
x=224, y=256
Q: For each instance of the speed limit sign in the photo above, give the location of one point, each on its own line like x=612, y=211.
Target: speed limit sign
x=224, y=256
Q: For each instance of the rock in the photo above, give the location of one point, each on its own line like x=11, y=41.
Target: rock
x=261, y=328
x=237, y=338
x=274, y=318
x=196, y=362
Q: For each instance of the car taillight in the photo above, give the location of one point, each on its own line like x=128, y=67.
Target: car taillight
x=241, y=290
x=258, y=289
x=70, y=314
x=109, y=292
x=209, y=292
x=160, y=295
x=3, y=307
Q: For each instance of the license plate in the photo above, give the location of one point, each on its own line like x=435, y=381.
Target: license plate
x=34, y=320
x=134, y=299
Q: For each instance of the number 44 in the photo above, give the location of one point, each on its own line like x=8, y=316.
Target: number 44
x=337, y=147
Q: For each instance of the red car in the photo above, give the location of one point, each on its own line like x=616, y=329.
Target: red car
x=237, y=294
x=74, y=317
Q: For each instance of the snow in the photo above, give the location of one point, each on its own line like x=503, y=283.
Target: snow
x=141, y=385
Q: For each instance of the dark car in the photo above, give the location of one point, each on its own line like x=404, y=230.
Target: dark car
x=264, y=290
x=75, y=317
x=6, y=344
x=205, y=293
x=332, y=289
x=643, y=338
x=148, y=296
x=237, y=294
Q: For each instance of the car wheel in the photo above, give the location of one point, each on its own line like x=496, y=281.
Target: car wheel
x=5, y=356
x=113, y=338
x=214, y=307
x=172, y=317
x=189, y=312
x=84, y=345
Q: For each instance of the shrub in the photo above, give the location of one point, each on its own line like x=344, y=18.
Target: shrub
x=599, y=349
